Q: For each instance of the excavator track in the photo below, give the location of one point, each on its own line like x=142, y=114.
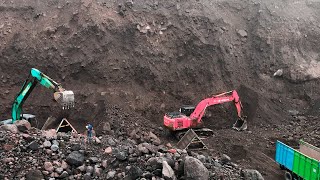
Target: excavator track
x=203, y=133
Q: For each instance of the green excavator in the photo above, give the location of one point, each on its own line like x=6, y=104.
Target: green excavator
x=63, y=97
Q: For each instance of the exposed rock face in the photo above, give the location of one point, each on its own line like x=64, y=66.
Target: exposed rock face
x=195, y=170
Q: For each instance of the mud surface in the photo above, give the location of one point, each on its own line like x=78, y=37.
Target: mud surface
x=129, y=63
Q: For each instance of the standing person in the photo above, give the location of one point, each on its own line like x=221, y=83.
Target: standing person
x=89, y=130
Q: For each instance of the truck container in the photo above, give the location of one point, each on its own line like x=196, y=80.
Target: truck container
x=301, y=163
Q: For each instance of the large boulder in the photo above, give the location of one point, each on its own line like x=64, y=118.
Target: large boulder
x=34, y=175
x=194, y=169
x=154, y=138
x=251, y=174
x=167, y=171
x=10, y=127
x=34, y=146
x=134, y=173
x=48, y=166
x=120, y=154
x=50, y=134
x=75, y=158
x=23, y=125
x=46, y=144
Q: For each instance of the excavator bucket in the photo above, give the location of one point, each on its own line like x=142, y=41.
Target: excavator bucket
x=240, y=125
x=65, y=98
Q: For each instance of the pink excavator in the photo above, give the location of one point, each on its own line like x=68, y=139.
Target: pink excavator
x=190, y=117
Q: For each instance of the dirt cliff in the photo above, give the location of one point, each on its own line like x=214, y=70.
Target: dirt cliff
x=129, y=62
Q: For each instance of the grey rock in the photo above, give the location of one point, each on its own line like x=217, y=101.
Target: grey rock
x=55, y=142
x=106, y=127
x=64, y=165
x=48, y=166
x=147, y=175
x=93, y=159
x=9, y=127
x=7, y=160
x=143, y=149
x=46, y=144
x=132, y=159
x=75, y=147
x=134, y=173
x=82, y=168
x=64, y=174
x=54, y=147
x=167, y=171
x=225, y=159
x=278, y=73
x=202, y=158
x=154, y=162
x=111, y=142
x=97, y=171
x=154, y=138
x=34, y=175
x=120, y=155
x=293, y=112
x=251, y=174
x=33, y=146
x=89, y=169
x=104, y=163
x=23, y=125
x=194, y=169
x=242, y=33
x=87, y=176
x=111, y=174
x=59, y=170
x=75, y=158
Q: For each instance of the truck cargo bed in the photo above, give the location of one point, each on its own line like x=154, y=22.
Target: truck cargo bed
x=297, y=161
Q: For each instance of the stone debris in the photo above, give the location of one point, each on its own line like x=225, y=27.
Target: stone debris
x=278, y=73
x=66, y=157
x=242, y=33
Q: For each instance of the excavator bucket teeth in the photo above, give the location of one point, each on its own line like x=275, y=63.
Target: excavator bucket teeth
x=240, y=125
x=65, y=98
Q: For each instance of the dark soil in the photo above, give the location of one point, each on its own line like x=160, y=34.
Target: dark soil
x=130, y=63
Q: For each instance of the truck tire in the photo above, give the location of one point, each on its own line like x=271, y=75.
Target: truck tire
x=288, y=175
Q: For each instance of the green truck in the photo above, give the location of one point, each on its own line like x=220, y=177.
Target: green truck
x=301, y=163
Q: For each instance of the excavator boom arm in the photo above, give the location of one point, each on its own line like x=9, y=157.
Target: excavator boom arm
x=65, y=97
x=217, y=99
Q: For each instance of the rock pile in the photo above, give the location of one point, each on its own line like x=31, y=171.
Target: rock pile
x=33, y=154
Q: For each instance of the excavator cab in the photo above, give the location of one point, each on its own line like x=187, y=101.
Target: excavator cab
x=187, y=109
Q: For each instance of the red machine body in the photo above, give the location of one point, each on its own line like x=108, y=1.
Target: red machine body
x=179, y=121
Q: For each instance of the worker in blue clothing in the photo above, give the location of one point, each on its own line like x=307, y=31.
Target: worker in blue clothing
x=89, y=130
